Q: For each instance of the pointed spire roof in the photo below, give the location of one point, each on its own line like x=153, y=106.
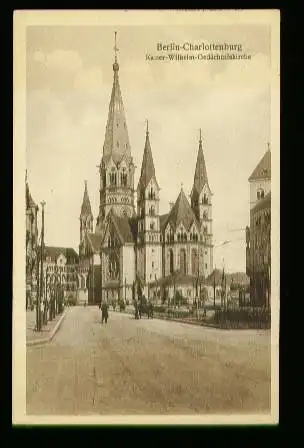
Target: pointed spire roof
x=29, y=202
x=86, y=205
x=181, y=212
x=263, y=168
x=200, y=175
x=147, y=167
x=116, y=143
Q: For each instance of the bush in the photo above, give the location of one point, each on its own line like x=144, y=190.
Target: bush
x=243, y=318
x=159, y=309
x=72, y=301
x=178, y=314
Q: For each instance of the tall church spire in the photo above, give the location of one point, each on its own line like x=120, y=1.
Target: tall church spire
x=200, y=176
x=86, y=205
x=147, y=167
x=116, y=143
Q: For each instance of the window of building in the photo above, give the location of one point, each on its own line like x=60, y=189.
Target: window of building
x=206, y=265
x=171, y=261
x=183, y=266
x=260, y=193
x=152, y=264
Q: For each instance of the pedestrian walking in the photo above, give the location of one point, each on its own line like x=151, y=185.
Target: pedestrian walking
x=104, y=312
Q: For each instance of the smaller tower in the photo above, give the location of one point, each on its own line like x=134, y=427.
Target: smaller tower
x=86, y=219
x=260, y=179
x=201, y=204
x=148, y=244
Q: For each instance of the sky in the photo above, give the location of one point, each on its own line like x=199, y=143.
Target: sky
x=69, y=79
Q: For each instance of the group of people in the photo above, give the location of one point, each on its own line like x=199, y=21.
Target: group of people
x=139, y=310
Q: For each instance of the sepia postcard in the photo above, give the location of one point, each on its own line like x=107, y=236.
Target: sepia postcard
x=146, y=217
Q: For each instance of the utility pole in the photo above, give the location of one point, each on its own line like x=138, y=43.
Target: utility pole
x=214, y=287
x=41, y=266
x=125, y=290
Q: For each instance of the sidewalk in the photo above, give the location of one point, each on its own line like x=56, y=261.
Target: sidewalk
x=47, y=332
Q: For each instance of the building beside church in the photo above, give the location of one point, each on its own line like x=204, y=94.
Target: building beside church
x=31, y=238
x=133, y=245
x=258, y=236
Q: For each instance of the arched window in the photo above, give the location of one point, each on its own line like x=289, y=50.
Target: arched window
x=123, y=178
x=113, y=179
x=152, y=210
x=171, y=261
x=205, y=215
x=178, y=237
x=183, y=267
x=185, y=237
x=205, y=199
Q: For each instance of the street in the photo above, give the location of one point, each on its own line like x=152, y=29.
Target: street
x=147, y=367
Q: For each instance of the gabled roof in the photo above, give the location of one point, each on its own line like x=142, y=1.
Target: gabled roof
x=123, y=225
x=200, y=175
x=262, y=204
x=116, y=143
x=54, y=252
x=147, y=167
x=263, y=169
x=86, y=205
x=94, y=240
x=181, y=212
x=126, y=227
x=163, y=220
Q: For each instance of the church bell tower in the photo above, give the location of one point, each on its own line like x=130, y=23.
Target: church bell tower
x=116, y=168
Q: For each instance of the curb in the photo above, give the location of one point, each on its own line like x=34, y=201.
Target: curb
x=45, y=340
x=182, y=321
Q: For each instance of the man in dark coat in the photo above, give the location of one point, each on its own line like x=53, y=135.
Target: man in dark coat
x=104, y=312
x=136, y=309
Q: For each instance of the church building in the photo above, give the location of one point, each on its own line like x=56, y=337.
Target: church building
x=133, y=245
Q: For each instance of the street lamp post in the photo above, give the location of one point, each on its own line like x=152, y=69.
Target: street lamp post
x=125, y=290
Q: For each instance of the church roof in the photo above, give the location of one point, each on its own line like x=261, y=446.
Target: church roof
x=29, y=202
x=263, y=169
x=163, y=219
x=95, y=241
x=126, y=227
x=54, y=252
x=181, y=212
x=262, y=204
x=86, y=205
x=200, y=175
x=116, y=143
x=147, y=167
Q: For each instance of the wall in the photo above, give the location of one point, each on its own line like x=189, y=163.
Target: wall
x=265, y=184
x=128, y=266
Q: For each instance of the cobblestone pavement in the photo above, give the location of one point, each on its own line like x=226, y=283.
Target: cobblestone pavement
x=147, y=367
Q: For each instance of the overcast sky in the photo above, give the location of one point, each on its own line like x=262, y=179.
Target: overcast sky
x=69, y=82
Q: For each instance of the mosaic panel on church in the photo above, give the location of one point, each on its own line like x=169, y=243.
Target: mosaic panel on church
x=112, y=266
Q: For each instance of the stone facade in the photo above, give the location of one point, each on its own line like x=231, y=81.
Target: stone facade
x=140, y=246
x=258, y=235
x=31, y=212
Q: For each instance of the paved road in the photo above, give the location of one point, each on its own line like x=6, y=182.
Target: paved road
x=147, y=367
